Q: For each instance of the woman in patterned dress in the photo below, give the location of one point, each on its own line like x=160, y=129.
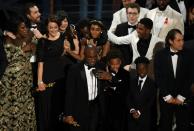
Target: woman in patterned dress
x=16, y=102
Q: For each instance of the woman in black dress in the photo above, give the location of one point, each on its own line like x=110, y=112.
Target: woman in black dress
x=50, y=76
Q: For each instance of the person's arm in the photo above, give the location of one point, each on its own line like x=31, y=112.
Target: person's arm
x=40, y=60
x=76, y=44
x=119, y=40
x=160, y=78
x=41, y=84
x=80, y=55
x=105, y=49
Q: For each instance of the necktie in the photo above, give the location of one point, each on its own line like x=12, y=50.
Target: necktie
x=132, y=26
x=139, y=84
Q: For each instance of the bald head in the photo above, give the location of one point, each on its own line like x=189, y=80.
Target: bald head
x=90, y=54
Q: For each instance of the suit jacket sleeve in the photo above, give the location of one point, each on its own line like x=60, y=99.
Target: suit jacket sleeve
x=119, y=40
x=159, y=74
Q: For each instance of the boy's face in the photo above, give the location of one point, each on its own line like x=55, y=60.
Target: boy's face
x=142, y=70
x=115, y=64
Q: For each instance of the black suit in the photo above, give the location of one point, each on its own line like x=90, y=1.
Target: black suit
x=77, y=104
x=126, y=50
x=170, y=85
x=142, y=100
x=115, y=94
x=3, y=59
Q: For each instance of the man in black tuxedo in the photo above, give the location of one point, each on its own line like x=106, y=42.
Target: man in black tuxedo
x=83, y=93
x=126, y=28
x=141, y=98
x=173, y=75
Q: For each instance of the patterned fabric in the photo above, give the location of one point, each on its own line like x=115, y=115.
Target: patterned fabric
x=16, y=102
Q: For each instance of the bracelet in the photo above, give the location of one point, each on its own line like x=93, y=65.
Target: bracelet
x=40, y=82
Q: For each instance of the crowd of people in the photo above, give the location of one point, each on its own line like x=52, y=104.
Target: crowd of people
x=136, y=76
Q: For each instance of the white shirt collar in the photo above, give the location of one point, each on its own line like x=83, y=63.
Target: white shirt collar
x=173, y=50
x=144, y=78
x=165, y=11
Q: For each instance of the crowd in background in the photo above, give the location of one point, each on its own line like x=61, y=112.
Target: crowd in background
x=136, y=76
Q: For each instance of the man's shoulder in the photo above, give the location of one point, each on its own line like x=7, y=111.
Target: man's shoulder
x=152, y=11
x=162, y=52
x=76, y=67
x=144, y=10
x=120, y=11
x=174, y=12
x=122, y=24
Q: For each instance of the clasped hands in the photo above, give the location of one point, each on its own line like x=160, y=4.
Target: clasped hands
x=135, y=114
x=174, y=101
x=70, y=120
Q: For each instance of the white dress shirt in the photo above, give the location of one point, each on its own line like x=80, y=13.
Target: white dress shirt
x=143, y=81
x=92, y=83
x=174, y=62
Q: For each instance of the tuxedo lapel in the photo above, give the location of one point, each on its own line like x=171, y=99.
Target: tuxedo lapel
x=151, y=46
x=134, y=43
x=169, y=63
x=153, y=15
x=83, y=77
x=179, y=64
x=125, y=30
x=144, y=86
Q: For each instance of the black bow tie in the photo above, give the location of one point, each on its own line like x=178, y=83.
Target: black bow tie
x=132, y=26
x=174, y=53
x=34, y=26
x=90, y=67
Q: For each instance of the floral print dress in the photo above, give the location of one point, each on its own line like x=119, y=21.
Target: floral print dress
x=17, y=111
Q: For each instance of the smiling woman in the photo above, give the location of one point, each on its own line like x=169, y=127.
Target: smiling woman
x=50, y=70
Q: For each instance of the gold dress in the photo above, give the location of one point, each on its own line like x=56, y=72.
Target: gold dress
x=17, y=111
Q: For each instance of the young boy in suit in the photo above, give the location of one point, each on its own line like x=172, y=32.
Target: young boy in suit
x=142, y=95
